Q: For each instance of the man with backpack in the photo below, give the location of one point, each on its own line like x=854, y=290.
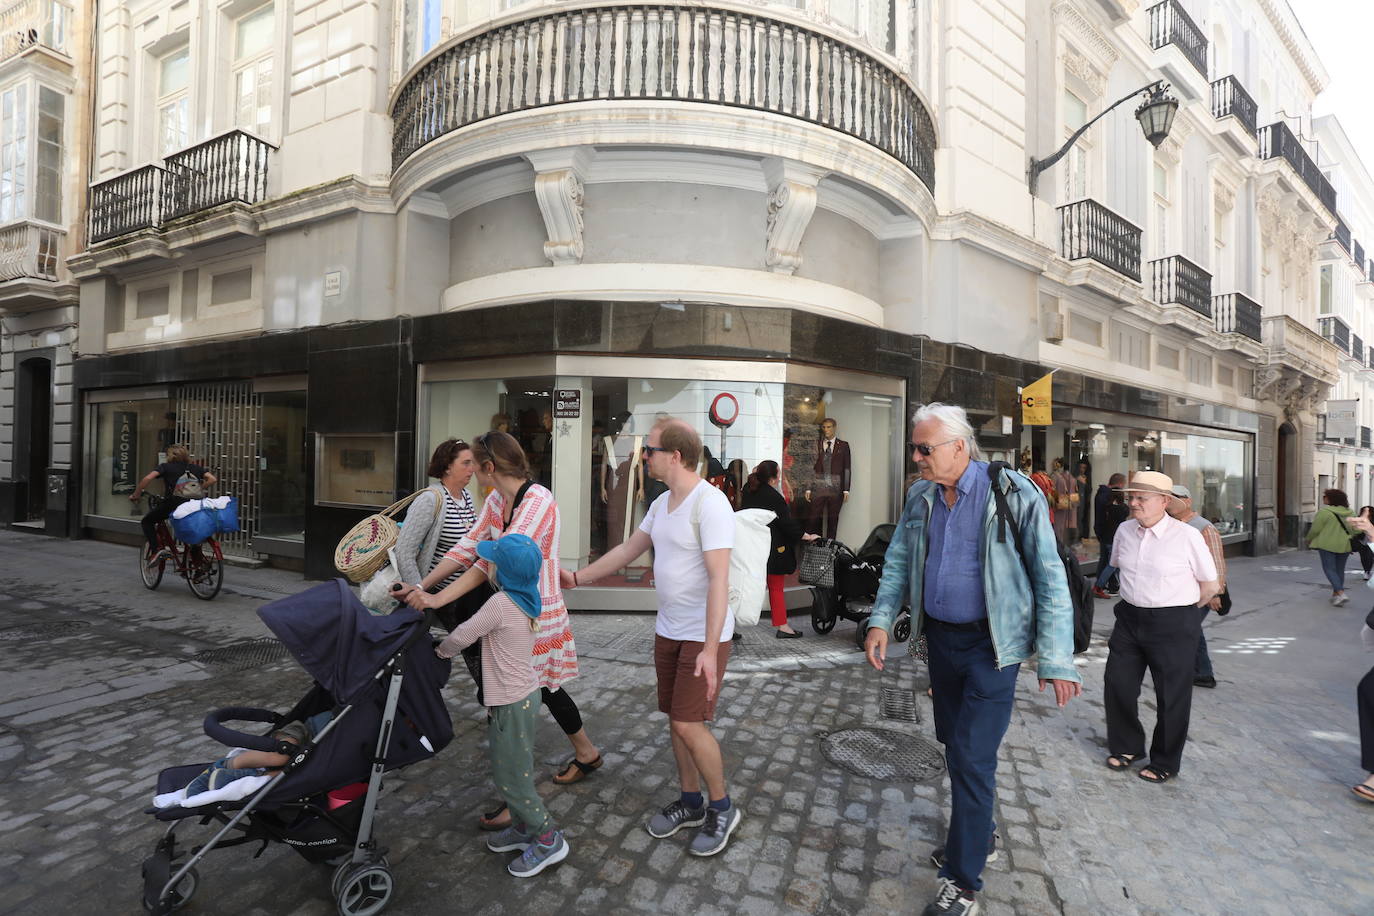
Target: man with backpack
x=181, y=480
x=984, y=606
x=692, y=530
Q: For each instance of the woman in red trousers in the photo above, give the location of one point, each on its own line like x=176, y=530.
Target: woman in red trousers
x=761, y=492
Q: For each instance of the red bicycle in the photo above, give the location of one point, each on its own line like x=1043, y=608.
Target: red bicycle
x=201, y=565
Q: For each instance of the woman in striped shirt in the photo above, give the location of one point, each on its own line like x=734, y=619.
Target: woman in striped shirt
x=518, y=505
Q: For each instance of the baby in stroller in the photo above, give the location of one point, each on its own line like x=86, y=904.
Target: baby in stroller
x=507, y=624
x=242, y=763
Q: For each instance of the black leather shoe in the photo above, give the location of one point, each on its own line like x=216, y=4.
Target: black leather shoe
x=783, y=634
x=1205, y=682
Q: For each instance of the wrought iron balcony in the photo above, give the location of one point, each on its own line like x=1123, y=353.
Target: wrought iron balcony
x=229, y=167
x=675, y=53
x=1170, y=24
x=30, y=249
x=1357, y=349
x=28, y=23
x=1365, y=435
x=126, y=203
x=1236, y=313
x=1277, y=140
x=1357, y=253
x=1089, y=230
x=1177, y=280
x=1230, y=100
x=1342, y=234
x=1335, y=331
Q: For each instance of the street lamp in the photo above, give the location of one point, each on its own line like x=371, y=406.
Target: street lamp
x=1155, y=114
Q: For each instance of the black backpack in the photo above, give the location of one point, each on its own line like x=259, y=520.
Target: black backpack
x=1080, y=592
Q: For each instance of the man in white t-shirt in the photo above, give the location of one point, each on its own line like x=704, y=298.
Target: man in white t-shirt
x=692, y=529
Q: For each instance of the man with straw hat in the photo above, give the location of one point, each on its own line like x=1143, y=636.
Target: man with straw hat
x=1166, y=573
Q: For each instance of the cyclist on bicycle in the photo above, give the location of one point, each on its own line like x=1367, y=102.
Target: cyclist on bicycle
x=177, y=465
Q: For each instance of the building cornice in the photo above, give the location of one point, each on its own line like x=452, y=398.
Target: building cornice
x=1290, y=33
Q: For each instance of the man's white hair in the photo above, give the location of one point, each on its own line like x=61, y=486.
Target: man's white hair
x=955, y=422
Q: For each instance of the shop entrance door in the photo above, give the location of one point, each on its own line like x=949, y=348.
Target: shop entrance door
x=220, y=423
x=33, y=434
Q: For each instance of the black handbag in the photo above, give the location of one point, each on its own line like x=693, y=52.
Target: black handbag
x=1225, y=597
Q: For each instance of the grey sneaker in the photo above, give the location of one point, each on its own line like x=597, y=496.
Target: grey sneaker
x=673, y=818
x=952, y=900
x=937, y=856
x=1341, y=600
x=539, y=856
x=510, y=840
x=715, y=833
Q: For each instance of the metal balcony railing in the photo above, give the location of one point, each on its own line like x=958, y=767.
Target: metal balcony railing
x=1277, y=140
x=126, y=203
x=1357, y=349
x=1335, y=331
x=1365, y=433
x=1177, y=280
x=1357, y=252
x=1170, y=24
x=30, y=249
x=1089, y=230
x=1236, y=313
x=229, y=167
x=683, y=53
x=34, y=22
x=1230, y=100
x=1342, y=234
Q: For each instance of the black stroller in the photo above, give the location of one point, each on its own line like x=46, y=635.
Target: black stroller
x=382, y=680
x=844, y=583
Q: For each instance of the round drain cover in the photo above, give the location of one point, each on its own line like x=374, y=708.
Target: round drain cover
x=879, y=753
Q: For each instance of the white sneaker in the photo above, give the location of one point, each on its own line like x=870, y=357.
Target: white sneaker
x=1341, y=600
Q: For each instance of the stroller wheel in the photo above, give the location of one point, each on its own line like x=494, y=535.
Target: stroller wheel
x=860, y=632
x=823, y=610
x=182, y=893
x=340, y=873
x=365, y=891
x=901, y=630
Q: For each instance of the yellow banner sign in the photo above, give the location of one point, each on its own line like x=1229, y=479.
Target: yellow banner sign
x=1035, y=402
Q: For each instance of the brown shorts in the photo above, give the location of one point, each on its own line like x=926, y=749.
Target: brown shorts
x=681, y=694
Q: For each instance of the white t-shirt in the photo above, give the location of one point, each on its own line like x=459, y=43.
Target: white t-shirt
x=679, y=568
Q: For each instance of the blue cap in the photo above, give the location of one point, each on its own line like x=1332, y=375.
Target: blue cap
x=518, y=559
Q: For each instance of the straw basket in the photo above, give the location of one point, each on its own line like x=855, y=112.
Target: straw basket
x=362, y=552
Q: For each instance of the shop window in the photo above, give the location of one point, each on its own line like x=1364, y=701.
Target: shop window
x=1084, y=329
x=283, y=465
x=1217, y=472
x=128, y=439
x=355, y=470
x=1167, y=357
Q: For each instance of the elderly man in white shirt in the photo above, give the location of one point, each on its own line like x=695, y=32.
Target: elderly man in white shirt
x=1166, y=574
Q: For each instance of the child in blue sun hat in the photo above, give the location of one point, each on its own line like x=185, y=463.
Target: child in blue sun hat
x=507, y=624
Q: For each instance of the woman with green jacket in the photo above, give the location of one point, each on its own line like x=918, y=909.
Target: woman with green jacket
x=1331, y=538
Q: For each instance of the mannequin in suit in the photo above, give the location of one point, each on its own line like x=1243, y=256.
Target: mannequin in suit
x=831, y=489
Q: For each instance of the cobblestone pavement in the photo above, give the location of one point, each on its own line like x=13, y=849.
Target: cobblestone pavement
x=103, y=683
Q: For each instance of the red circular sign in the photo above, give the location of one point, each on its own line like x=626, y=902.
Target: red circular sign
x=726, y=417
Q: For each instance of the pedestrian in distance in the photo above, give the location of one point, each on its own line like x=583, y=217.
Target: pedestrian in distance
x=516, y=504
x=1359, y=543
x=1066, y=501
x=1167, y=573
x=983, y=610
x=1364, y=694
x=1330, y=537
x=1181, y=508
x=1108, y=513
x=692, y=530
x=508, y=625
x=761, y=492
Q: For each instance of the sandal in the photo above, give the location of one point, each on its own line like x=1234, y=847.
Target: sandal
x=1363, y=792
x=1123, y=761
x=576, y=771
x=1157, y=776
x=497, y=818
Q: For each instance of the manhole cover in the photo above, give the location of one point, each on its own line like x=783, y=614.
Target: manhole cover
x=42, y=630
x=244, y=655
x=878, y=753
x=899, y=704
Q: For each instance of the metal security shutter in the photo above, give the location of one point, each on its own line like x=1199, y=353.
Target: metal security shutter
x=219, y=422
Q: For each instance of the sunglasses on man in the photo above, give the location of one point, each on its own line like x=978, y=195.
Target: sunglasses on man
x=925, y=450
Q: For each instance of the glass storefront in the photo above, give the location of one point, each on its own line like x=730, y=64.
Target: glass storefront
x=1217, y=466
x=128, y=439
x=584, y=433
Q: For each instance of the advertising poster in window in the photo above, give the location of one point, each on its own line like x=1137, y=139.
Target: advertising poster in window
x=125, y=470
x=356, y=470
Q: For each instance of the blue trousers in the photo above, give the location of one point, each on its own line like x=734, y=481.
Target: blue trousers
x=1333, y=564
x=972, y=711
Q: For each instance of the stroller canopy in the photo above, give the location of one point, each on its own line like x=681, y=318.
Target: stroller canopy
x=337, y=640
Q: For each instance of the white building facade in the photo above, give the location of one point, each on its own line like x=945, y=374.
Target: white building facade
x=324, y=237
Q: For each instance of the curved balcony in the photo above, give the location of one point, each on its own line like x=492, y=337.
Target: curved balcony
x=665, y=53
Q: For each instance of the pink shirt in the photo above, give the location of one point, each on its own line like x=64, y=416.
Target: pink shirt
x=1162, y=565
x=507, y=644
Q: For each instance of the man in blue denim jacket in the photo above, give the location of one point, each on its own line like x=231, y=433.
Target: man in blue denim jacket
x=982, y=616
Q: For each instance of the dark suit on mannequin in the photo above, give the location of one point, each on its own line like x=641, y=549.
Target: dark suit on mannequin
x=828, y=493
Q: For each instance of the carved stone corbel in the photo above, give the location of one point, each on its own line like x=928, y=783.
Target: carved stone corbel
x=1266, y=382
x=558, y=177
x=791, y=204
